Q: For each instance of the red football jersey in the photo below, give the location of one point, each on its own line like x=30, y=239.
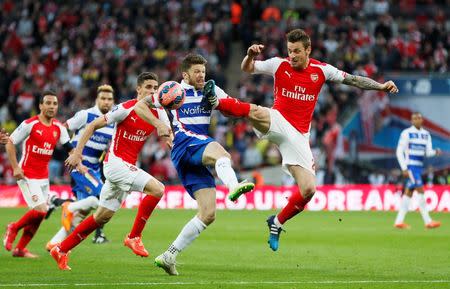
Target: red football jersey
x=131, y=131
x=38, y=142
x=296, y=91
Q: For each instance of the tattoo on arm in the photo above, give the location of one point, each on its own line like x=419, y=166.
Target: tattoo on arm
x=362, y=82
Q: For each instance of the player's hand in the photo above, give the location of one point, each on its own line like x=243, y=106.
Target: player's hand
x=18, y=173
x=438, y=152
x=163, y=130
x=73, y=160
x=4, y=136
x=254, y=50
x=389, y=86
x=405, y=173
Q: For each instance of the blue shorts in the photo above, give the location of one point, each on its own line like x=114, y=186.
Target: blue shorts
x=86, y=185
x=415, y=177
x=187, y=159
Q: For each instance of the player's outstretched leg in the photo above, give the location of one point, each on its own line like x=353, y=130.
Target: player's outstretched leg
x=229, y=106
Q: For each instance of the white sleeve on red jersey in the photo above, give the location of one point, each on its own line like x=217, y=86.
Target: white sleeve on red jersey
x=64, y=135
x=332, y=73
x=21, y=132
x=220, y=93
x=117, y=114
x=268, y=66
x=78, y=120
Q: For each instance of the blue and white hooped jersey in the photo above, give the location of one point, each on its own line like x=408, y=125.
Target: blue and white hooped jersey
x=192, y=119
x=99, y=141
x=413, y=146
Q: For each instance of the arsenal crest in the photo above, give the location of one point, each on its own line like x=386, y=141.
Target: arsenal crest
x=34, y=198
x=314, y=77
x=55, y=134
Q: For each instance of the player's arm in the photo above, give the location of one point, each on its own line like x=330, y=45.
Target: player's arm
x=12, y=156
x=400, y=152
x=369, y=84
x=248, y=63
x=142, y=109
x=77, y=121
x=19, y=135
x=76, y=156
x=430, y=152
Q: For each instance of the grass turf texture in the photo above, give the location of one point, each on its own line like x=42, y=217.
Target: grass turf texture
x=319, y=250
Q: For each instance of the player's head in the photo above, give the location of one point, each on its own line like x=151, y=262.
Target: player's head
x=105, y=98
x=147, y=84
x=48, y=104
x=193, y=69
x=299, y=48
x=416, y=119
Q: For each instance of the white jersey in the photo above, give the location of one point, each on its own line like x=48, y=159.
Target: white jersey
x=97, y=143
x=413, y=146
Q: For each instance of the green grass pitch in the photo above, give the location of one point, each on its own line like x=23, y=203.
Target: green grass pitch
x=319, y=250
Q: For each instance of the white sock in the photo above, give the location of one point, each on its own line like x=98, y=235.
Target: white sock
x=226, y=173
x=277, y=222
x=59, y=236
x=404, y=207
x=423, y=209
x=85, y=204
x=188, y=234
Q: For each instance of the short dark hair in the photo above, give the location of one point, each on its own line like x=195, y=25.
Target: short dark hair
x=192, y=59
x=146, y=76
x=299, y=35
x=105, y=88
x=416, y=113
x=46, y=92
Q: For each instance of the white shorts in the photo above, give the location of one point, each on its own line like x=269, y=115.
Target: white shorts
x=121, y=178
x=34, y=191
x=294, y=146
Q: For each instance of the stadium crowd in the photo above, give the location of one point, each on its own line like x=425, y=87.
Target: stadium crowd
x=75, y=46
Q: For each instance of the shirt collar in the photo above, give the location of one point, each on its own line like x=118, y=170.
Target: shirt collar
x=186, y=86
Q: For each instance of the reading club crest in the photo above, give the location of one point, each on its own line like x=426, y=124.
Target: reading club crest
x=314, y=77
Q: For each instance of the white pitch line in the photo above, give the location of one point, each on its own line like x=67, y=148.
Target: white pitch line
x=223, y=283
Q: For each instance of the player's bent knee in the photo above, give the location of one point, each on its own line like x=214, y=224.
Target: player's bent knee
x=308, y=192
x=208, y=217
x=41, y=208
x=155, y=188
x=103, y=215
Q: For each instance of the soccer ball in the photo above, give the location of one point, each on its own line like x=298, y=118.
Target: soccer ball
x=171, y=95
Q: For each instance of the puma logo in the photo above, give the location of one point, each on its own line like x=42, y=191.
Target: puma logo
x=133, y=118
x=288, y=74
x=39, y=132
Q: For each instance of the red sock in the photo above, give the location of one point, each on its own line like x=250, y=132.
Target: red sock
x=234, y=107
x=30, y=229
x=146, y=207
x=27, y=219
x=295, y=205
x=79, y=234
